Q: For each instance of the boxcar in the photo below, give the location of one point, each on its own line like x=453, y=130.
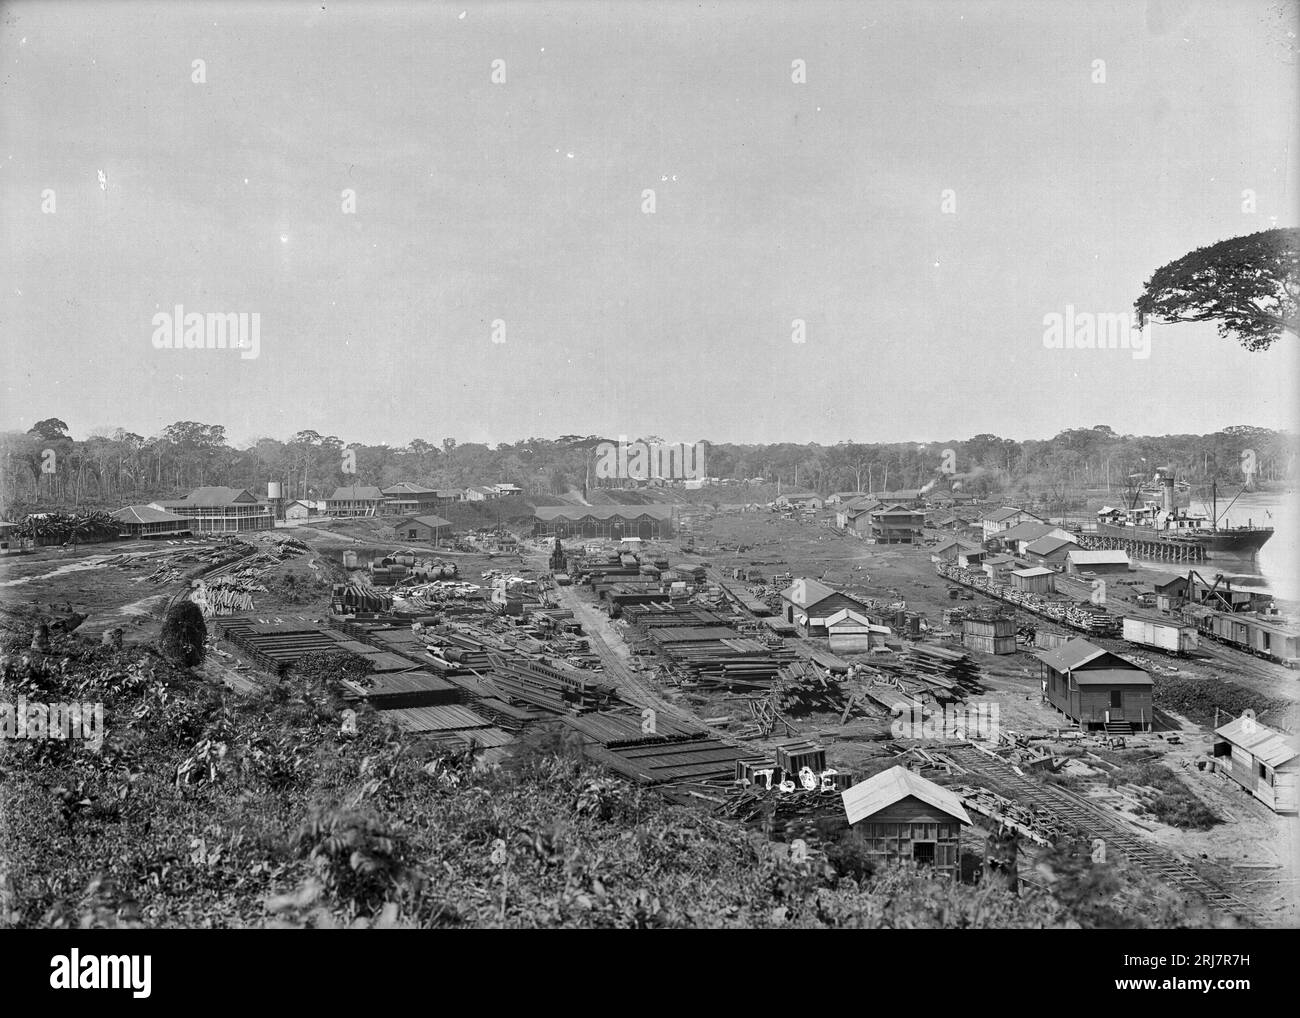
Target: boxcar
x=1162, y=634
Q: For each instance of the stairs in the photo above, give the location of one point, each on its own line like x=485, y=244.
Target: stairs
x=1119, y=728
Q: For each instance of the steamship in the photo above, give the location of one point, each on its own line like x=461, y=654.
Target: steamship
x=1162, y=522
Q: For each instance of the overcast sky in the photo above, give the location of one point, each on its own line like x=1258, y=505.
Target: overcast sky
x=523, y=201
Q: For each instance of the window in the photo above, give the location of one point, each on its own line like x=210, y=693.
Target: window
x=411, y=532
x=1117, y=698
x=923, y=853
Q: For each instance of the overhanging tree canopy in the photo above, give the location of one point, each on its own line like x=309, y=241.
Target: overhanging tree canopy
x=1249, y=285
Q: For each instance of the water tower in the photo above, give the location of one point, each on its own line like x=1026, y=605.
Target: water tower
x=275, y=495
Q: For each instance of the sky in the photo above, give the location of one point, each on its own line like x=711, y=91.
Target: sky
x=432, y=252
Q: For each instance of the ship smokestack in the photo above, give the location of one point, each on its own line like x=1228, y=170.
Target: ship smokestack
x=1167, y=483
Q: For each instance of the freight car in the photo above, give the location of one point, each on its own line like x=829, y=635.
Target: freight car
x=1264, y=637
x=1168, y=635
x=1086, y=618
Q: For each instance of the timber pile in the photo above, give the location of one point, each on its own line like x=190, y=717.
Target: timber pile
x=1033, y=823
x=803, y=687
x=801, y=813
x=921, y=760
x=548, y=684
x=225, y=595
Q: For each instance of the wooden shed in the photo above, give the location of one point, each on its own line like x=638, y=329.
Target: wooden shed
x=853, y=632
x=899, y=815
x=1264, y=762
x=1034, y=580
x=429, y=529
x=1095, y=688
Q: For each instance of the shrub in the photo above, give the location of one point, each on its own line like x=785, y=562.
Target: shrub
x=183, y=634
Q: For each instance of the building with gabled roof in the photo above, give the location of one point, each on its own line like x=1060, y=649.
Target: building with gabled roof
x=149, y=521
x=1004, y=518
x=428, y=528
x=355, y=500
x=966, y=554
x=1099, y=562
x=616, y=522
x=405, y=498
x=217, y=509
x=895, y=523
x=1096, y=688
x=809, y=603
x=1265, y=762
x=1050, y=550
x=1017, y=538
x=898, y=815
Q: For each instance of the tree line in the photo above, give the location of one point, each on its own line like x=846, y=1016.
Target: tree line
x=47, y=466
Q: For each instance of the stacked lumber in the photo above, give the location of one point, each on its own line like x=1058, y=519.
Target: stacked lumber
x=548, y=684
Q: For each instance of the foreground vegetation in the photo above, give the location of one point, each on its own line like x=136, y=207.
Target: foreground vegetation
x=208, y=809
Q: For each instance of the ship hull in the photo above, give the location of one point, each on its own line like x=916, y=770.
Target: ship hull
x=1241, y=544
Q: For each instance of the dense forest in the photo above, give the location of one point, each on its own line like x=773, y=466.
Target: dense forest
x=111, y=467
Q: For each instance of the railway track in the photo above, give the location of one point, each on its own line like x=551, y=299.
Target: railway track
x=1068, y=809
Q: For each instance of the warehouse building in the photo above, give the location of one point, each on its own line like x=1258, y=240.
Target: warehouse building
x=1100, y=563
x=616, y=522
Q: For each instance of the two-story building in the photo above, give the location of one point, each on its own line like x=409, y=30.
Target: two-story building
x=896, y=524
x=216, y=509
x=1005, y=518
x=355, y=500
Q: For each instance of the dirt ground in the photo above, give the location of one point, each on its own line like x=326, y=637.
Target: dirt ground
x=1253, y=851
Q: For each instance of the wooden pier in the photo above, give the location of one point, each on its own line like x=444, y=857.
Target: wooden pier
x=1163, y=551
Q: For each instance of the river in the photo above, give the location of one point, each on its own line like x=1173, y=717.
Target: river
x=1279, y=560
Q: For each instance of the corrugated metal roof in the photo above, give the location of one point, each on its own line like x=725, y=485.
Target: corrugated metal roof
x=809, y=592
x=547, y=513
x=146, y=514
x=1271, y=747
x=357, y=493
x=869, y=797
x=1105, y=556
x=429, y=521
x=1111, y=677
x=1070, y=654
x=214, y=495
x=1047, y=545
x=1004, y=513
x=1029, y=530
